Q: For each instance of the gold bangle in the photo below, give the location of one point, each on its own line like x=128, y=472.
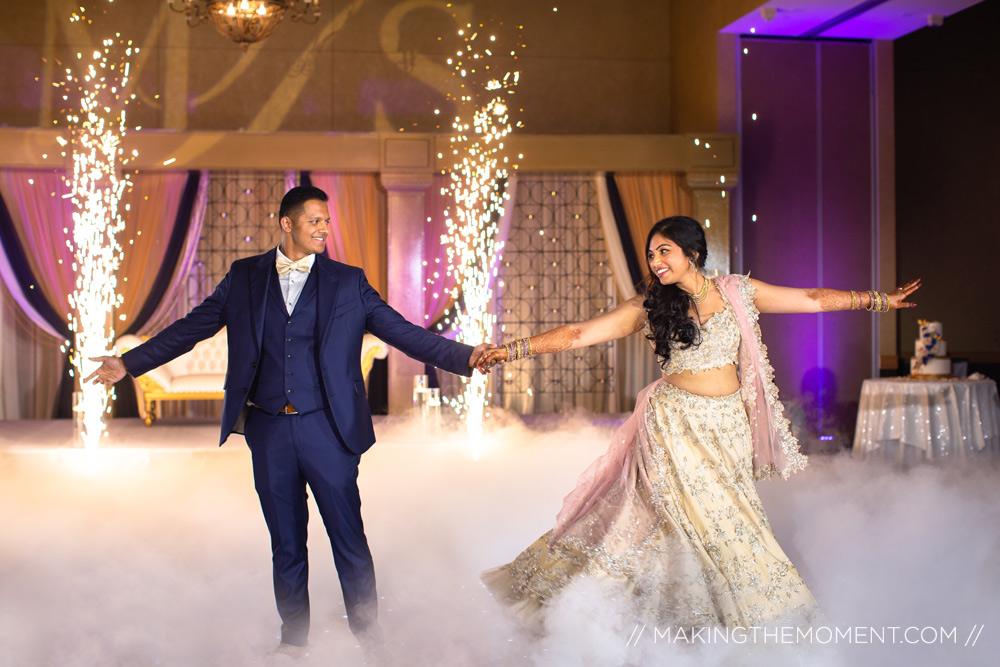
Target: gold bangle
x=885, y=302
x=518, y=349
x=852, y=299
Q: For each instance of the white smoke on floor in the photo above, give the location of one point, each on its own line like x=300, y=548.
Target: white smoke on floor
x=137, y=557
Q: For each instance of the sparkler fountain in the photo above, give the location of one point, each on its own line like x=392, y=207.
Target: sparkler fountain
x=478, y=175
x=95, y=118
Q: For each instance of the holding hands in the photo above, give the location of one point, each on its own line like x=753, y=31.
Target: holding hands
x=490, y=357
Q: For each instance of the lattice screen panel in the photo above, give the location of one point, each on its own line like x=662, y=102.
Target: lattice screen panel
x=241, y=219
x=555, y=271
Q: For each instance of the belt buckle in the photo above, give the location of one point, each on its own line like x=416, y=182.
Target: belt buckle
x=289, y=409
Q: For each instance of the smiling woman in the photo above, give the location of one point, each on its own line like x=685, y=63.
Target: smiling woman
x=670, y=515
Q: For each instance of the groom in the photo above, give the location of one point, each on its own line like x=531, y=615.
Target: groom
x=294, y=388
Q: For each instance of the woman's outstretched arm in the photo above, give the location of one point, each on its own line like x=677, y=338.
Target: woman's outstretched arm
x=624, y=320
x=775, y=299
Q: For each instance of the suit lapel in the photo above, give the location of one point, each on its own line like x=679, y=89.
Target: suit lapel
x=327, y=285
x=274, y=293
x=308, y=292
x=260, y=277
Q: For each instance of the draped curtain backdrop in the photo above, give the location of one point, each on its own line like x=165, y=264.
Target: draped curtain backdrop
x=37, y=270
x=42, y=219
x=439, y=286
x=358, y=222
x=179, y=253
x=630, y=203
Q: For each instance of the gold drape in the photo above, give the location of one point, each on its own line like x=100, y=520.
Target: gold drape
x=648, y=197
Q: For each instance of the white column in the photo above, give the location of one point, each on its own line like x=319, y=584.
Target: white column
x=407, y=193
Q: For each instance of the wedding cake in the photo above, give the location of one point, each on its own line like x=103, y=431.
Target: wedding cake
x=931, y=350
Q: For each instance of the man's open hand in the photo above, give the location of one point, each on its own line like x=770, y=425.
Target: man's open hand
x=111, y=370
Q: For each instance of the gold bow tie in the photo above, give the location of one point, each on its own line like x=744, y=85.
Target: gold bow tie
x=286, y=266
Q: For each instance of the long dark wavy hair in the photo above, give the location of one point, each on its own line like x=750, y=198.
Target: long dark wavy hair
x=667, y=305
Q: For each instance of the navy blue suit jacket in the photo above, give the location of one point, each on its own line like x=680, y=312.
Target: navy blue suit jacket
x=347, y=307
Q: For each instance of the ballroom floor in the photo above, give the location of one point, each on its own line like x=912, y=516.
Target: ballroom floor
x=152, y=551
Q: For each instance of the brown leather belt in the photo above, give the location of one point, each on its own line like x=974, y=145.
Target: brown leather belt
x=289, y=409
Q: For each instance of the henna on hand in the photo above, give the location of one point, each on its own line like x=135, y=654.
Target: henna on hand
x=832, y=299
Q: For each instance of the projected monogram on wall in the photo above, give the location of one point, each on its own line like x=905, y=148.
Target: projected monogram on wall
x=361, y=68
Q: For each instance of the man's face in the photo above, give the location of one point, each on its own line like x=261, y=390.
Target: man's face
x=306, y=235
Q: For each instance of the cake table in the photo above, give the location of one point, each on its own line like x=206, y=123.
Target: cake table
x=910, y=420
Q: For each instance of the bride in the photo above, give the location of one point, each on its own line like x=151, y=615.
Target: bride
x=669, y=516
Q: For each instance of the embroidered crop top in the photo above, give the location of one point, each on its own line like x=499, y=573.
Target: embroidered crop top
x=719, y=346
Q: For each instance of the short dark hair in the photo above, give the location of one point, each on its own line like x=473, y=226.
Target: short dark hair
x=294, y=200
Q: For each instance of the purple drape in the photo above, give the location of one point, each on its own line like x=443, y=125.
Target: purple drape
x=36, y=221
x=18, y=277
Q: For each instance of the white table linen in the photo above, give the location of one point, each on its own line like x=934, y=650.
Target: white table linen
x=911, y=420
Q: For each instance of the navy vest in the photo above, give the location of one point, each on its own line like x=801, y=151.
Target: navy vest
x=289, y=372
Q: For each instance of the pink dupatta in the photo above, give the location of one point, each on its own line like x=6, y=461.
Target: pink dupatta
x=775, y=450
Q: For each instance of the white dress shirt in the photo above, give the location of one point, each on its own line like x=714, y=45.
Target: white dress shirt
x=293, y=282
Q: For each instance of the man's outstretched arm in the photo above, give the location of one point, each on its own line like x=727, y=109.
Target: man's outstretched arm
x=204, y=321
x=415, y=341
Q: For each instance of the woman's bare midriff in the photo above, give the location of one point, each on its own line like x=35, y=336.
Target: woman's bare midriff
x=714, y=382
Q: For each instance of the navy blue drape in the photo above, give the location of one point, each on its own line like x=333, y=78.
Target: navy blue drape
x=621, y=222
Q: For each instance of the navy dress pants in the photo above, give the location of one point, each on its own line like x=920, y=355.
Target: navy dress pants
x=288, y=452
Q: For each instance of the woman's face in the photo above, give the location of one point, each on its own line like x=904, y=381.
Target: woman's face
x=666, y=260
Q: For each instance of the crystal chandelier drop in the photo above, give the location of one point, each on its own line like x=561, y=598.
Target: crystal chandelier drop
x=246, y=21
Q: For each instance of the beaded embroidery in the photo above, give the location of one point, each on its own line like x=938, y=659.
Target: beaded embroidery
x=719, y=346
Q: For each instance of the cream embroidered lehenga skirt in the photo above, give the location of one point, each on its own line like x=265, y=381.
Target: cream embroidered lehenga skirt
x=683, y=536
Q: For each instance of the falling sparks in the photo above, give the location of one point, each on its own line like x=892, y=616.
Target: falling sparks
x=95, y=126
x=477, y=189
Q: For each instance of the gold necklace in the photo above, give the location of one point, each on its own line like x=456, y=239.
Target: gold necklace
x=702, y=293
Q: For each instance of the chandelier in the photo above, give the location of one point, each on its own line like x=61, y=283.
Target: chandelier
x=246, y=21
